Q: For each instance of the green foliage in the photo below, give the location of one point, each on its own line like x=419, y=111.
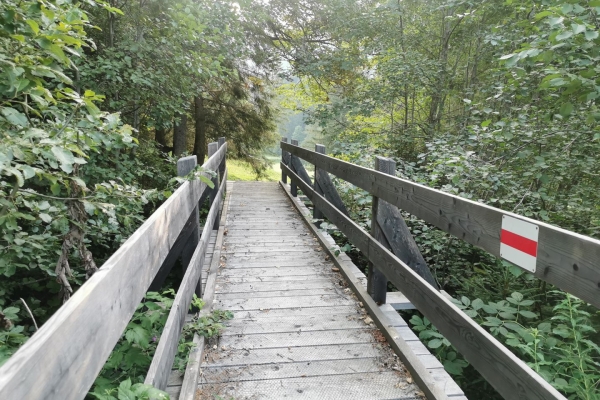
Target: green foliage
x=139, y=391
x=500, y=106
x=129, y=361
x=560, y=348
x=11, y=334
x=132, y=355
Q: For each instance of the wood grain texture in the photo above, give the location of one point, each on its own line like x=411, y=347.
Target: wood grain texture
x=186, y=165
x=325, y=184
x=409, y=358
x=192, y=370
x=401, y=241
x=510, y=376
x=160, y=368
x=63, y=358
x=319, y=148
x=173, y=255
x=285, y=158
x=565, y=259
x=288, y=313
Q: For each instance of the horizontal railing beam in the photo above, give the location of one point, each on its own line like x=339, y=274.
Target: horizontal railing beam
x=510, y=376
x=162, y=362
x=63, y=358
x=568, y=260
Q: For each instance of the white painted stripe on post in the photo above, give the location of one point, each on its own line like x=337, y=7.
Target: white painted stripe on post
x=517, y=257
x=520, y=227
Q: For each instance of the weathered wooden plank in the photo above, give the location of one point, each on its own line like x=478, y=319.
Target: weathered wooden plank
x=192, y=370
x=401, y=241
x=242, y=243
x=319, y=148
x=173, y=391
x=272, y=261
x=376, y=281
x=510, y=376
x=173, y=255
x=233, y=230
x=270, y=296
x=280, y=280
x=295, y=312
x=399, y=301
x=295, y=324
x=565, y=259
x=68, y=351
x=257, y=287
x=274, y=272
x=212, y=149
x=291, y=370
x=159, y=370
x=285, y=302
x=298, y=168
x=285, y=158
x=295, y=339
x=377, y=385
x=294, y=354
x=380, y=315
x=293, y=250
x=186, y=165
x=325, y=187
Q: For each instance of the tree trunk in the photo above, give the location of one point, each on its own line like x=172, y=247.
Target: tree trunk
x=200, y=136
x=180, y=134
x=160, y=136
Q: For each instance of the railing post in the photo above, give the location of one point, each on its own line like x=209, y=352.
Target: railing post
x=293, y=188
x=319, y=148
x=186, y=165
x=285, y=156
x=212, y=149
x=376, y=281
x=222, y=166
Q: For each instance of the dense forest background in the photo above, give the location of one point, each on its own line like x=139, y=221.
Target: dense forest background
x=496, y=101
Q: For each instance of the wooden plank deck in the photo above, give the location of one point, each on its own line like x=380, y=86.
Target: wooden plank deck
x=297, y=331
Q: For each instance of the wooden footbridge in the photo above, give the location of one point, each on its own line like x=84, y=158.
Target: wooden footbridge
x=307, y=323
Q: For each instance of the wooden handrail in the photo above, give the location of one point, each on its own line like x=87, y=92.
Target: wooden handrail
x=158, y=373
x=63, y=358
x=510, y=376
x=566, y=259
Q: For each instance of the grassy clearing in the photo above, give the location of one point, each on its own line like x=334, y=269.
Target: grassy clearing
x=241, y=171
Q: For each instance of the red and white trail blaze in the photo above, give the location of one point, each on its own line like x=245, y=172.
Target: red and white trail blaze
x=519, y=242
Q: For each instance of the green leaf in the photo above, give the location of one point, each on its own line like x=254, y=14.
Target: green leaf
x=517, y=296
x=566, y=109
x=45, y=217
x=434, y=343
x=528, y=314
x=14, y=117
x=564, y=35
x=577, y=28
x=64, y=156
x=591, y=35
x=28, y=172
x=207, y=181
x=137, y=334
x=35, y=28
x=477, y=304
x=55, y=189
